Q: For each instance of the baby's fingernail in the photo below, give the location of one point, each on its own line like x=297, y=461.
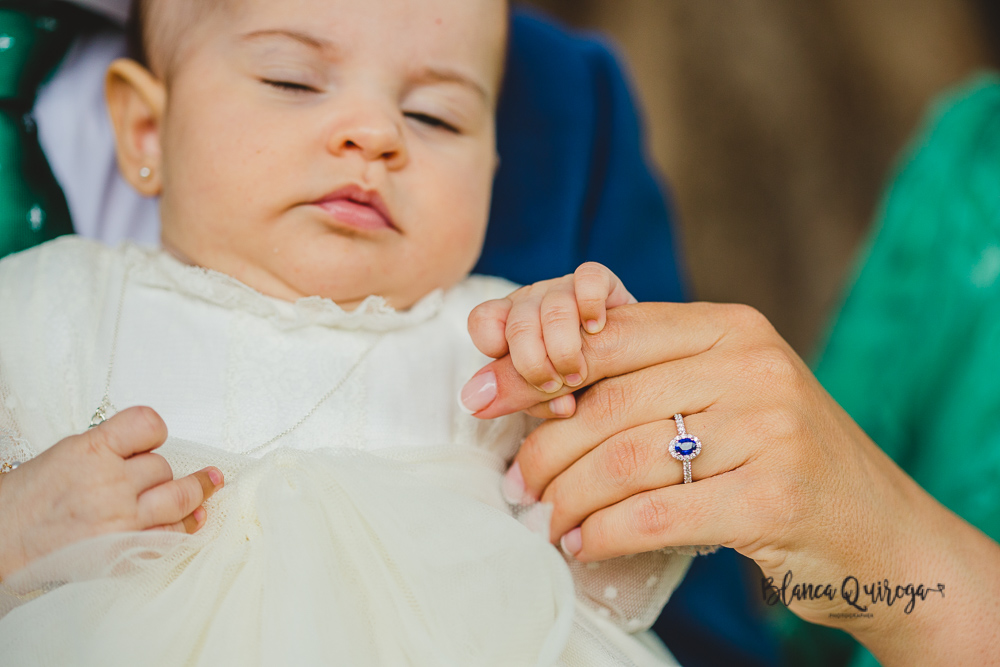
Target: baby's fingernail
x=562, y=406
x=513, y=489
x=478, y=392
x=572, y=542
x=574, y=380
x=593, y=326
x=199, y=515
x=551, y=387
x=215, y=476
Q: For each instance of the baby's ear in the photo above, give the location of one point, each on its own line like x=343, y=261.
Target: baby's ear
x=136, y=101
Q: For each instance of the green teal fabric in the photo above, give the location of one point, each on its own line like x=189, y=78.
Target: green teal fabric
x=914, y=354
x=34, y=38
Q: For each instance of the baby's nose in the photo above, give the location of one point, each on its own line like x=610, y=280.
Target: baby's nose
x=373, y=136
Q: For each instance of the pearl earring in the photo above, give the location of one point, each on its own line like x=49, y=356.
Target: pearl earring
x=145, y=173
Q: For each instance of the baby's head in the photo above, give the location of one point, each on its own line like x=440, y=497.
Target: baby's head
x=337, y=148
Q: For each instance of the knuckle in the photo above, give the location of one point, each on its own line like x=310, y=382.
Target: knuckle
x=519, y=329
x=609, y=348
x=652, y=515
x=743, y=317
x=531, y=457
x=769, y=365
x=565, y=354
x=95, y=441
x=559, y=315
x=783, y=505
x=150, y=421
x=625, y=459
x=485, y=314
x=479, y=317
x=591, y=271
x=531, y=367
x=556, y=494
x=605, y=405
x=784, y=423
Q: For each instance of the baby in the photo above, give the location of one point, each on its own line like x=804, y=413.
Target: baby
x=324, y=169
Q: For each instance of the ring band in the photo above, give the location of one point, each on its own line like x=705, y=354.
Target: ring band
x=684, y=447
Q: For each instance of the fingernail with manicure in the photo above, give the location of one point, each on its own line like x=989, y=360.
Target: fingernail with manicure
x=572, y=542
x=513, y=487
x=478, y=392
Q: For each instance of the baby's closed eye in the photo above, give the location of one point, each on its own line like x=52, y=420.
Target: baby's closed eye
x=290, y=86
x=431, y=121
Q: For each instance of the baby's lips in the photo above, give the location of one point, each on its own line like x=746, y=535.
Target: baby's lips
x=479, y=392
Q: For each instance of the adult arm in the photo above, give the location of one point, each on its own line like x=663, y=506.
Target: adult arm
x=785, y=478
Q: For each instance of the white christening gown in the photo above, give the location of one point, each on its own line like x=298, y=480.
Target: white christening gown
x=373, y=533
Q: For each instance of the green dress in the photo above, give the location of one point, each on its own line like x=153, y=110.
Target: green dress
x=914, y=354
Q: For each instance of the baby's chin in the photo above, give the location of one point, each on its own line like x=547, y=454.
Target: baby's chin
x=400, y=300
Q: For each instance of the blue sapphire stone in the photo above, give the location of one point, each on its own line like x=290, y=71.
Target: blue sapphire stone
x=684, y=452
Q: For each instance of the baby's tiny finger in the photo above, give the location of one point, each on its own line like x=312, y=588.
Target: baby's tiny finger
x=487, y=327
x=561, y=332
x=170, y=502
x=195, y=520
x=592, y=285
x=597, y=290
x=557, y=408
x=190, y=525
x=527, y=347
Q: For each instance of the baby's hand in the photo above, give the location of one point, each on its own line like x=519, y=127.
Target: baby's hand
x=106, y=480
x=539, y=325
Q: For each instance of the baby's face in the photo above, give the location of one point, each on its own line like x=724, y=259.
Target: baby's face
x=334, y=147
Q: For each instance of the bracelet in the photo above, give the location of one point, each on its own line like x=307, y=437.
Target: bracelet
x=8, y=466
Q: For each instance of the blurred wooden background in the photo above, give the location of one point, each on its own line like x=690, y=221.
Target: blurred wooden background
x=777, y=124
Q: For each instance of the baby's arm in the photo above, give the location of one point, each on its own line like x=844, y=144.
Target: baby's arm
x=539, y=325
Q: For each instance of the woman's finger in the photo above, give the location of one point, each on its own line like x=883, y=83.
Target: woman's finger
x=706, y=512
x=488, y=325
x=687, y=386
x=147, y=470
x=561, y=333
x=635, y=461
x=636, y=337
x=527, y=348
x=170, y=502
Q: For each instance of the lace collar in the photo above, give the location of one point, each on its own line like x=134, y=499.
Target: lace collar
x=157, y=268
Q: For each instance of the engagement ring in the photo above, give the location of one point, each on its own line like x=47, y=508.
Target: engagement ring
x=684, y=447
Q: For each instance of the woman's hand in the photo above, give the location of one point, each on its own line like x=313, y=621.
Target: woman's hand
x=106, y=480
x=785, y=477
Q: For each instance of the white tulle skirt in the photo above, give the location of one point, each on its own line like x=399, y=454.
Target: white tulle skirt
x=329, y=557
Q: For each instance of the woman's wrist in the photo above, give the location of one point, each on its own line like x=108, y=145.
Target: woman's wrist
x=945, y=597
